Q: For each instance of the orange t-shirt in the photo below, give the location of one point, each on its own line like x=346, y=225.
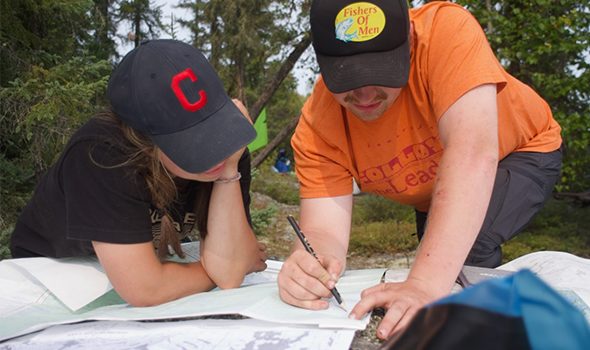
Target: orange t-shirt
x=397, y=155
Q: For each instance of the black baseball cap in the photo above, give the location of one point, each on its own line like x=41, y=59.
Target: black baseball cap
x=168, y=91
x=360, y=43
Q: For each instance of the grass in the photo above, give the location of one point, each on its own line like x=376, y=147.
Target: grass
x=387, y=237
x=380, y=226
x=560, y=226
x=282, y=188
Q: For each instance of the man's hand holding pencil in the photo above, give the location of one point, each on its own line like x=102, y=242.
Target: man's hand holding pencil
x=307, y=279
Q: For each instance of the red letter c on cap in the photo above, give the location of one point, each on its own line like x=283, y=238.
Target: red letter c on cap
x=192, y=107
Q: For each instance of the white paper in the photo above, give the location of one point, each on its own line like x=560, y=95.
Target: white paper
x=18, y=290
x=193, y=334
x=74, y=281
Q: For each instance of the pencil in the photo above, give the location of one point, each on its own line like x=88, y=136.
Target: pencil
x=310, y=250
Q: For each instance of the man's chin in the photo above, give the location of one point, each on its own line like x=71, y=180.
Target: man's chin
x=367, y=116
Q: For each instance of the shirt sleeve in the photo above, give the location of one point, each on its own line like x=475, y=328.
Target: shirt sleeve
x=459, y=58
x=322, y=168
x=105, y=200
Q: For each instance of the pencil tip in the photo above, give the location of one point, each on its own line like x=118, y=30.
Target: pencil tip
x=343, y=307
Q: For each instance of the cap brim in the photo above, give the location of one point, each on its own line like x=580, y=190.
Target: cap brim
x=209, y=142
x=345, y=73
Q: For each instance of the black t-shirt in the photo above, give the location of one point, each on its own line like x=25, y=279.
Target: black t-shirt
x=89, y=194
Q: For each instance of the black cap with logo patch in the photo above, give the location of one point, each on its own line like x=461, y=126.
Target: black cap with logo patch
x=361, y=43
x=168, y=91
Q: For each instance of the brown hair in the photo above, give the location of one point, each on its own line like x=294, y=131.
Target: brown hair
x=142, y=156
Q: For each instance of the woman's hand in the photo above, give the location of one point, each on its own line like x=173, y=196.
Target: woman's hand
x=258, y=259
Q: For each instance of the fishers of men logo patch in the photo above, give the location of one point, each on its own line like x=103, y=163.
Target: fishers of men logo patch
x=359, y=21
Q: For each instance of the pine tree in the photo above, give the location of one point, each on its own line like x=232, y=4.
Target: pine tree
x=143, y=17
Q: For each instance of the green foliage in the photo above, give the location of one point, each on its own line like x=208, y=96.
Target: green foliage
x=385, y=237
x=380, y=226
x=40, y=110
x=575, y=174
x=49, y=84
x=283, y=107
x=5, y=242
x=38, y=113
x=559, y=226
x=371, y=208
x=34, y=32
x=14, y=193
x=262, y=219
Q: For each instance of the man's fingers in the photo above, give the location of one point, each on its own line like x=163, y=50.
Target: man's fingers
x=304, y=281
x=381, y=287
x=392, y=321
x=371, y=298
x=332, y=265
x=312, y=267
x=311, y=304
x=293, y=291
x=300, y=274
x=404, y=322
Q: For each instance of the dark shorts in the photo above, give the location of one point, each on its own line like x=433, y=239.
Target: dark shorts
x=524, y=182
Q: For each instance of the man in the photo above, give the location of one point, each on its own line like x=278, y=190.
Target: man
x=415, y=107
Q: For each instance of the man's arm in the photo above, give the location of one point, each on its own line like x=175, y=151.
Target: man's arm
x=469, y=134
x=303, y=280
x=465, y=178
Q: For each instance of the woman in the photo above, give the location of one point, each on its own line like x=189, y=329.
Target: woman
x=132, y=182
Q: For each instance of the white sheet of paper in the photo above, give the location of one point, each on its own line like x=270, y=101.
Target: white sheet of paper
x=18, y=290
x=74, y=281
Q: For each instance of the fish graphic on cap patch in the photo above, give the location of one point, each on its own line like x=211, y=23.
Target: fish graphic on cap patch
x=342, y=27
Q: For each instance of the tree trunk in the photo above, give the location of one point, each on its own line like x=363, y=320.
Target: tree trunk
x=137, y=24
x=273, y=83
x=490, y=25
x=261, y=156
x=101, y=36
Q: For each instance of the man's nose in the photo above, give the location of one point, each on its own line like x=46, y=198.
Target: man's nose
x=365, y=93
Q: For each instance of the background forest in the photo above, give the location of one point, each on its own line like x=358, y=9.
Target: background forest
x=56, y=57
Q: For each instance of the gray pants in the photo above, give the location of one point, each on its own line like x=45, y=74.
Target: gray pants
x=524, y=182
